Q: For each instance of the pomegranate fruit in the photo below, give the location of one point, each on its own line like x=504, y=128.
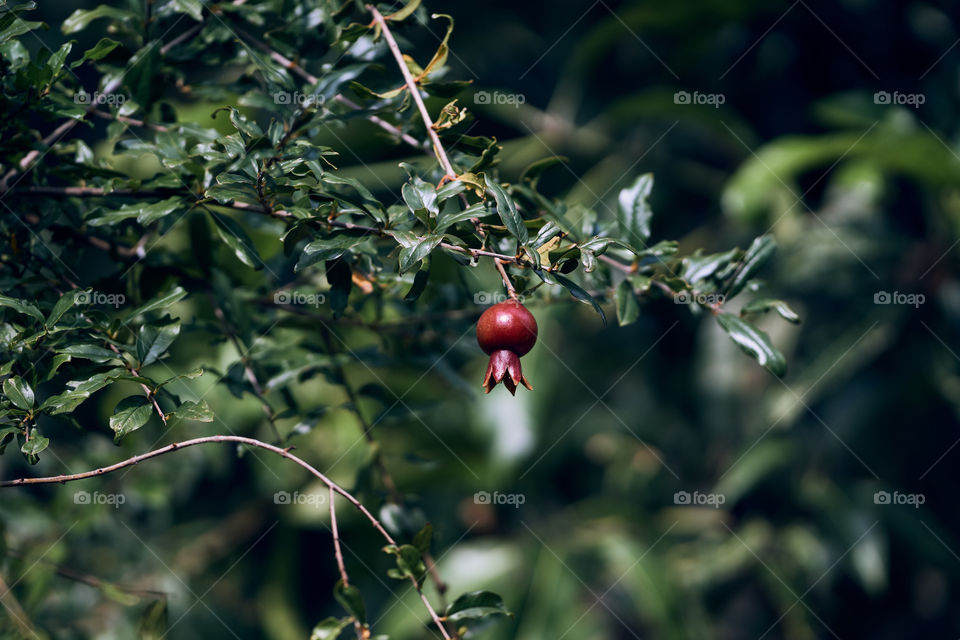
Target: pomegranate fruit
x=505, y=332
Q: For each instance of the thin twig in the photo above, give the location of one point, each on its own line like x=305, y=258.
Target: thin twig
x=286, y=63
x=284, y=453
x=506, y=278
x=357, y=626
x=415, y=93
x=180, y=39
x=106, y=115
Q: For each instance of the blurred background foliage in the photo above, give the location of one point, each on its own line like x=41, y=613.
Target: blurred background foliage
x=861, y=197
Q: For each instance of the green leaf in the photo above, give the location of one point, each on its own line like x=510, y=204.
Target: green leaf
x=473, y=211
x=410, y=256
x=476, y=605
x=507, y=210
x=420, y=281
x=79, y=19
x=80, y=390
x=422, y=540
x=58, y=360
x=580, y=294
x=762, y=305
x=340, y=276
x=627, y=308
x=153, y=341
x=409, y=562
x=57, y=59
x=145, y=213
x=35, y=444
x=130, y=414
x=193, y=8
x=440, y=57
x=755, y=257
x=405, y=12
x=163, y=302
x=350, y=599
x=197, y=411
x=97, y=52
x=18, y=27
x=89, y=351
x=754, y=342
x=153, y=622
x=6, y=435
x=191, y=375
x=330, y=628
x=238, y=240
x=329, y=248
x=420, y=195
x=21, y=306
x=18, y=391
x=63, y=305
x=697, y=267
x=635, y=212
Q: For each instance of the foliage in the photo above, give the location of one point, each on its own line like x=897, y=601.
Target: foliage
x=232, y=218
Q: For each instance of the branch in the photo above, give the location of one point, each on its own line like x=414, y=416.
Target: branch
x=286, y=63
x=415, y=93
x=283, y=453
x=106, y=115
x=357, y=626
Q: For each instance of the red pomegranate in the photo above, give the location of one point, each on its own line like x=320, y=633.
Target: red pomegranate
x=505, y=332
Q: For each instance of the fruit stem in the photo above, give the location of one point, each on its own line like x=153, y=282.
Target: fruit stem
x=506, y=278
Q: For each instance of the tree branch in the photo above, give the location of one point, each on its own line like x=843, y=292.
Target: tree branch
x=286, y=63
x=284, y=453
x=415, y=93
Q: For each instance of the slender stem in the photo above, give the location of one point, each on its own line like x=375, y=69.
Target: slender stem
x=283, y=453
x=146, y=390
x=286, y=63
x=415, y=93
x=106, y=115
x=176, y=446
x=180, y=39
x=506, y=278
x=338, y=553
